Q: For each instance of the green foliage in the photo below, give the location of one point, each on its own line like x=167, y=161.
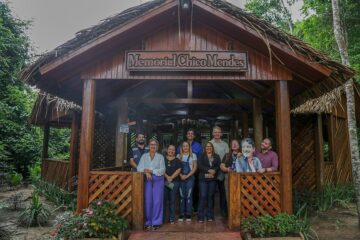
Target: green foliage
x=36, y=214
x=35, y=173
x=20, y=143
x=59, y=143
x=99, y=220
x=280, y=225
x=272, y=11
x=14, y=179
x=330, y=196
x=56, y=195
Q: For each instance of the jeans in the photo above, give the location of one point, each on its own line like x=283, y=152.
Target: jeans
x=222, y=193
x=207, y=191
x=186, y=189
x=170, y=199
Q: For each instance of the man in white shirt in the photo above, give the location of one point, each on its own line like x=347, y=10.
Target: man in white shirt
x=221, y=148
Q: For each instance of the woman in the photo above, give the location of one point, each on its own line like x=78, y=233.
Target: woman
x=153, y=165
x=209, y=164
x=228, y=163
x=247, y=162
x=172, y=182
x=189, y=166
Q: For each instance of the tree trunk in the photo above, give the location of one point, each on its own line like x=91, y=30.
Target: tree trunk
x=350, y=102
x=288, y=17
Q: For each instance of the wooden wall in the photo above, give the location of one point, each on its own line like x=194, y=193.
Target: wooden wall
x=303, y=152
x=203, y=38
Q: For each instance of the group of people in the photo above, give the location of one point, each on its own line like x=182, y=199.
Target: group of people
x=194, y=174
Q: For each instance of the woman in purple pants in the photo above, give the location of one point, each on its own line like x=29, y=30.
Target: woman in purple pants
x=153, y=165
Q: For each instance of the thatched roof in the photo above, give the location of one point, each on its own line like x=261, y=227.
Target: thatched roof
x=265, y=31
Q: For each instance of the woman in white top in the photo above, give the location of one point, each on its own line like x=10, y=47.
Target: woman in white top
x=153, y=165
x=189, y=166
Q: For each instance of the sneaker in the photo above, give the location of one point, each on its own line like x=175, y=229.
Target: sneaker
x=181, y=218
x=201, y=221
x=148, y=227
x=156, y=227
x=188, y=218
x=172, y=222
x=210, y=220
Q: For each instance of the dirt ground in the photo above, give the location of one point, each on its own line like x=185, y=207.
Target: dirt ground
x=8, y=218
x=335, y=224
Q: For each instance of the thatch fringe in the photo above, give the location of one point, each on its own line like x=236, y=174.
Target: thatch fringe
x=324, y=104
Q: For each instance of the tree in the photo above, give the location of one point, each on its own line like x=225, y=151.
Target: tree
x=339, y=34
x=273, y=11
x=20, y=144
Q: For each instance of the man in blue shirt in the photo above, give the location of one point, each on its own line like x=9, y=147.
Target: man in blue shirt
x=135, y=153
x=196, y=148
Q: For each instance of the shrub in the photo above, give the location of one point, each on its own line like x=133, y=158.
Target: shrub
x=282, y=224
x=35, y=173
x=56, y=194
x=99, y=220
x=35, y=214
x=15, y=201
x=14, y=179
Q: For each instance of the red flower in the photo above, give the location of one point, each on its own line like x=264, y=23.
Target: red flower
x=53, y=233
x=58, y=226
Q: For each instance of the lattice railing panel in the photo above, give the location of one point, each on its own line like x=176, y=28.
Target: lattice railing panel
x=115, y=187
x=260, y=194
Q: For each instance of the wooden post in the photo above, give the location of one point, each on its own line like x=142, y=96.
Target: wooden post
x=283, y=132
x=319, y=153
x=73, y=149
x=86, y=144
x=234, y=208
x=244, y=125
x=122, y=118
x=257, y=122
x=137, y=200
x=45, y=150
x=236, y=129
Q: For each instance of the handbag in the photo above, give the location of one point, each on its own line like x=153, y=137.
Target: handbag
x=169, y=185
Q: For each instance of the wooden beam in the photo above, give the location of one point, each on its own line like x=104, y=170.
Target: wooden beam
x=189, y=88
x=219, y=101
x=260, y=93
x=74, y=139
x=283, y=133
x=319, y=154
x=120, y=141
x=234, y=212
x=45, y=150
x=257, y=122
x=86, y=144
x=244, y=124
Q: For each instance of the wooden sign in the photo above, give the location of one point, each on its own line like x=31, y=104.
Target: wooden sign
x=216, y=61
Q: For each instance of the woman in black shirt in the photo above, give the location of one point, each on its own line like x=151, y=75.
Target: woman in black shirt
x=172, y=181
x=209, y=164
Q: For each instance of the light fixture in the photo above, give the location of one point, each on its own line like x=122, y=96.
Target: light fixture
x=185, y=4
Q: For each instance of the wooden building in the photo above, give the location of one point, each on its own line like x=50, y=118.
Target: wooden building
x=167, y=65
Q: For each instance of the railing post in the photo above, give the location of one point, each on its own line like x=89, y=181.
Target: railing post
x=137, y=198
x=234, y=208
x=73, y=149
x=45, y=149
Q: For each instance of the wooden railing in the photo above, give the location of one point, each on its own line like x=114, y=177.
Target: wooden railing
x=55, y=171
x=252, y=194
x=125, y=189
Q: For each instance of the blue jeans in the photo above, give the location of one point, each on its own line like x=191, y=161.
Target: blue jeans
x=186, y=189
x=207, y=192
x=170, y=199
x=222, y=193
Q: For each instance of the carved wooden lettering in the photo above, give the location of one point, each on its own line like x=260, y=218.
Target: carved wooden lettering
x=219, y=61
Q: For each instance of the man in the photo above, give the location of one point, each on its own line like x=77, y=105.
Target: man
x=196, y=148
x=269, y=158
x=135, y=153
x=221, y=148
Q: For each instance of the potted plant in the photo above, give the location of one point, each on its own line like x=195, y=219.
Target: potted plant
x=280, y=227
x=99, y=221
